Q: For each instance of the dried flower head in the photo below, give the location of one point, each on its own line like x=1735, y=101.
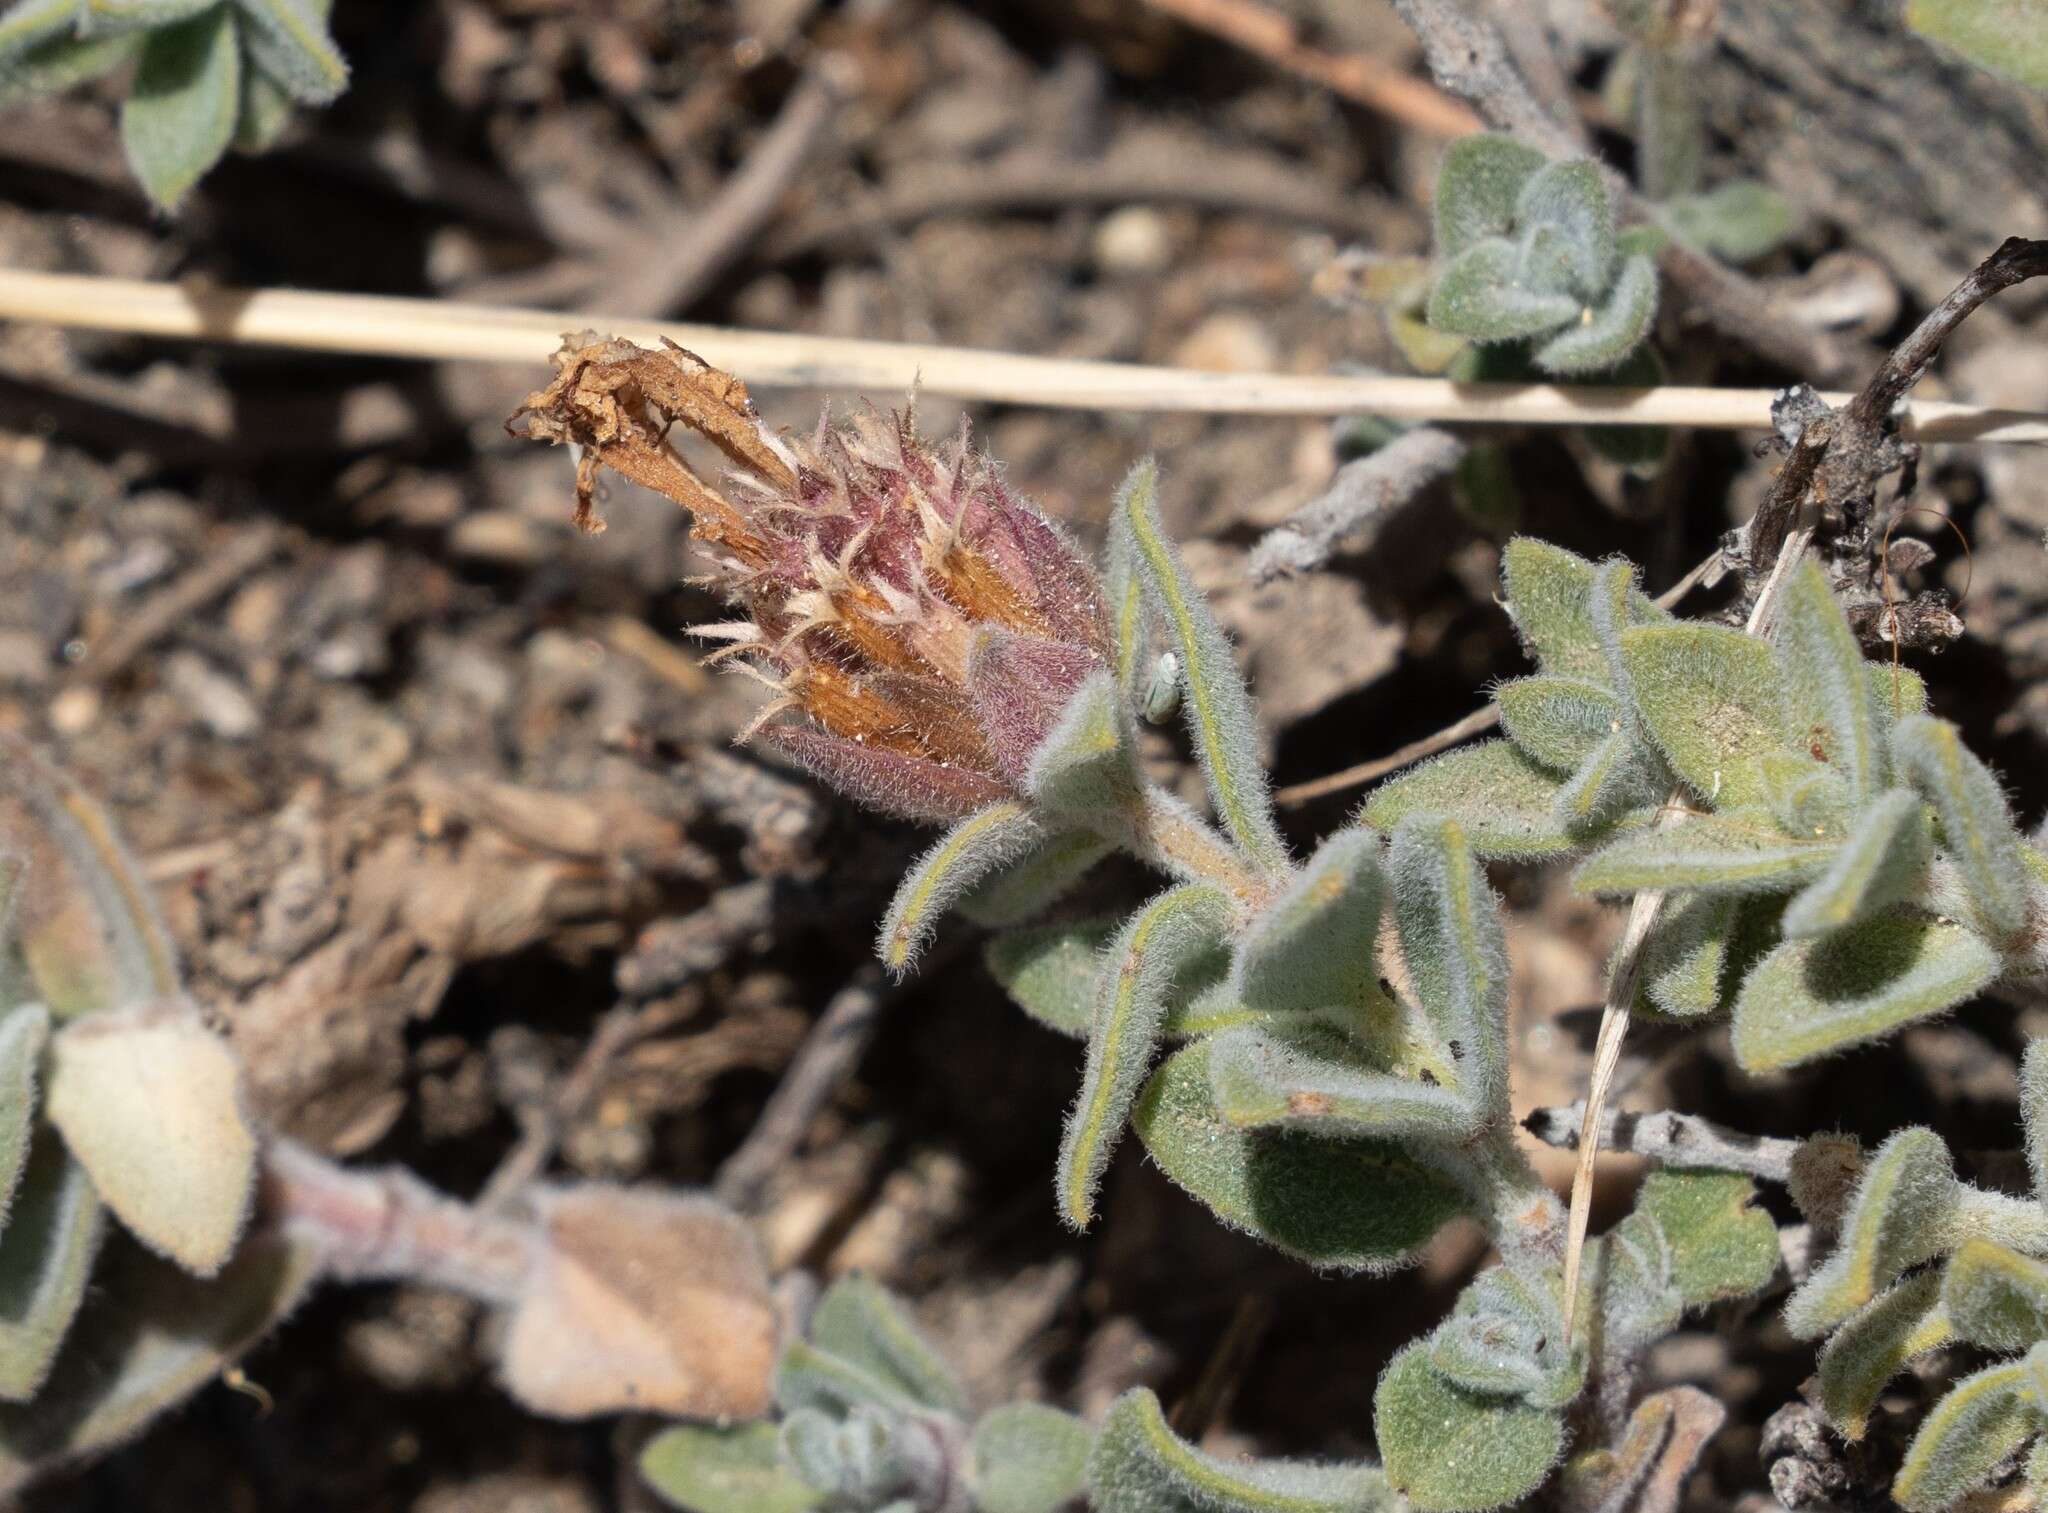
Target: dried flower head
x=923, y=627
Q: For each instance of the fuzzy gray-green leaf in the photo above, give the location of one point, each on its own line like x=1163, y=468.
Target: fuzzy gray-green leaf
x=23, y=1034
x=1558, y=721
x=858, y=1321
x=1874, y=1344
x=1722, y=1245
x=1806, y=798
x=1479, y=295
x=1351, y=1205
x=153, y=1336
x=2003, y=36
x=2034, y=1112
x=1830, y=704
x=1139, y=1465
x=1477, y=188
x=702, y=1469
x=1976, y=824
x=1810, y=997
x=1312, y=947
x=1964, y=1439
x=1546, y=590
x=289, y=41
x=1087, y=762
x=1686, y=960
x=1741, y=851
x=46, y=1255
x=61, y=62
x=1738, y=221
x=1996, y=1297
x=807, y=1377
x=1455, y=947
x=1138, y=973
x=1029, y=1458
x=1508, y=801
x=181, y=110
x=1306, y=1076
x=1219, y=707
x=1030, y=885
x=1903, y=1213
x=1571, y=198
x=1709, y=697
x=1452, y=1450
x=1883, y=862
x=1049, y=971
x=1506, y=1337
x=1603, y=334
x=33, y=24
x=1621, y=777
x=983, y=843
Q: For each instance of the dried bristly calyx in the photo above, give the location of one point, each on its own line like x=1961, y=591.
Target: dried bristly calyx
x=209, y=74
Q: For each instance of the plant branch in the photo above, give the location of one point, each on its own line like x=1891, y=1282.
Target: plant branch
x=1360, y=497
x=1627, y=970
x=1670, y=1139
x=445, y=330
x=390, y=1226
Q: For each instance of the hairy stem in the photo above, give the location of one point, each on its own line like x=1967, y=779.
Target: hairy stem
x=1670, y=1139
x=390, y=1226
x=1167, y=834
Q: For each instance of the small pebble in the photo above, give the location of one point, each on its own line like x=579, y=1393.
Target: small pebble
x=1132, y=240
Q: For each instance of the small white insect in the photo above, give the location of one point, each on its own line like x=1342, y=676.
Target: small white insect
x=1162, y=693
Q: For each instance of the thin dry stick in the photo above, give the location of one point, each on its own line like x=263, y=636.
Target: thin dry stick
x=1034, y=179
x=1360, y=498
x=1355, y=76
x=1479, y=721
x=446, y=330
x=712, y=240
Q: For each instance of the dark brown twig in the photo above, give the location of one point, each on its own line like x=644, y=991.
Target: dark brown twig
x=1865, y=423
x=1840, y=456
